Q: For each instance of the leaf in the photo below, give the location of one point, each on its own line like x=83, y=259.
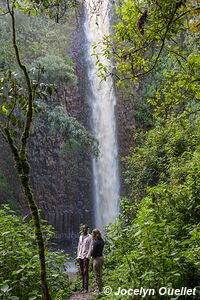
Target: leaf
x=6, y=232
x=5, y=288
x=4, y=111
x=137, y=233
x=55, y=275
x=17, y=272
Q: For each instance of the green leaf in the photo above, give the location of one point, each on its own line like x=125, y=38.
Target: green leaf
x=5, y=288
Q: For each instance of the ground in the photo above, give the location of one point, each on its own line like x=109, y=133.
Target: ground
x=78, y=295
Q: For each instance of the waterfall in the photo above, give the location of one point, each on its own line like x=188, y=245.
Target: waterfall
x=102, y=99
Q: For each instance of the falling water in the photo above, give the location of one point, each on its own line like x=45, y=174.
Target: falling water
x=103, y=101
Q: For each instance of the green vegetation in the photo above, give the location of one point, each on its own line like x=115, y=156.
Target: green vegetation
x=16, y=119
x=19, y=266
x=143, y=31
x=156, y=240
x=73, y=133
x=42, y=43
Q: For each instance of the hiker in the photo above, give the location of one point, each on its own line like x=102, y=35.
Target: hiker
x=97, y=257
x=83, y=255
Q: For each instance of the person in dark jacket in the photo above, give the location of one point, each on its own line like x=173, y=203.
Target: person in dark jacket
x=97, y=255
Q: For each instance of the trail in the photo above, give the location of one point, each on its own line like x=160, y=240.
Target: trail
x=77, y=295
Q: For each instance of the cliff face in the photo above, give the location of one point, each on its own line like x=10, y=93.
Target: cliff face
x=10, y=189
x=125, y=120
x=62, y=183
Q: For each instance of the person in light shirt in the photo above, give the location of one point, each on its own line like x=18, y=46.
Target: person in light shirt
x=83, y=256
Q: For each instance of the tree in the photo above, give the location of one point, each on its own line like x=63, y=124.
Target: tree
x=15, y=97
x=143, y=31
x=17, y=108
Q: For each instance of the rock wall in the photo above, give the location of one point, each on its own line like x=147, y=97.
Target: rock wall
x=10, y=188
x=125, y=120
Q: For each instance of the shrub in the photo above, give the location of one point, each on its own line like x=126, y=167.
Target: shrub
x=19, y=265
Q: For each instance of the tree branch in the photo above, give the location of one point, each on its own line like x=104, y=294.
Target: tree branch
x=186, y=12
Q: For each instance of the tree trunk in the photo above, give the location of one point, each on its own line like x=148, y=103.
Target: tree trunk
x=25, y=180
x=23, y=169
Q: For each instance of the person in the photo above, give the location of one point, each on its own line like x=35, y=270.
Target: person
x=83, y=256
x=97, y=257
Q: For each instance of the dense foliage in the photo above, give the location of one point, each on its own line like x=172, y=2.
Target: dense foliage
x=156, y=241
x=39, y=47
x=19, y=266
x=74, y=135
x=143, y=30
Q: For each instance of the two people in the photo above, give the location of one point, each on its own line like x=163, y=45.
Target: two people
x=90, y=245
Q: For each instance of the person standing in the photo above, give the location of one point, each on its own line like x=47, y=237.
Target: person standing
x=83, y=256
x=97, y=255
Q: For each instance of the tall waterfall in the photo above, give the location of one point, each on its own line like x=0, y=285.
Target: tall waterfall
x=102, y=99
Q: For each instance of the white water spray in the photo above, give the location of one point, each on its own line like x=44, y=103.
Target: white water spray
x=103, y=101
